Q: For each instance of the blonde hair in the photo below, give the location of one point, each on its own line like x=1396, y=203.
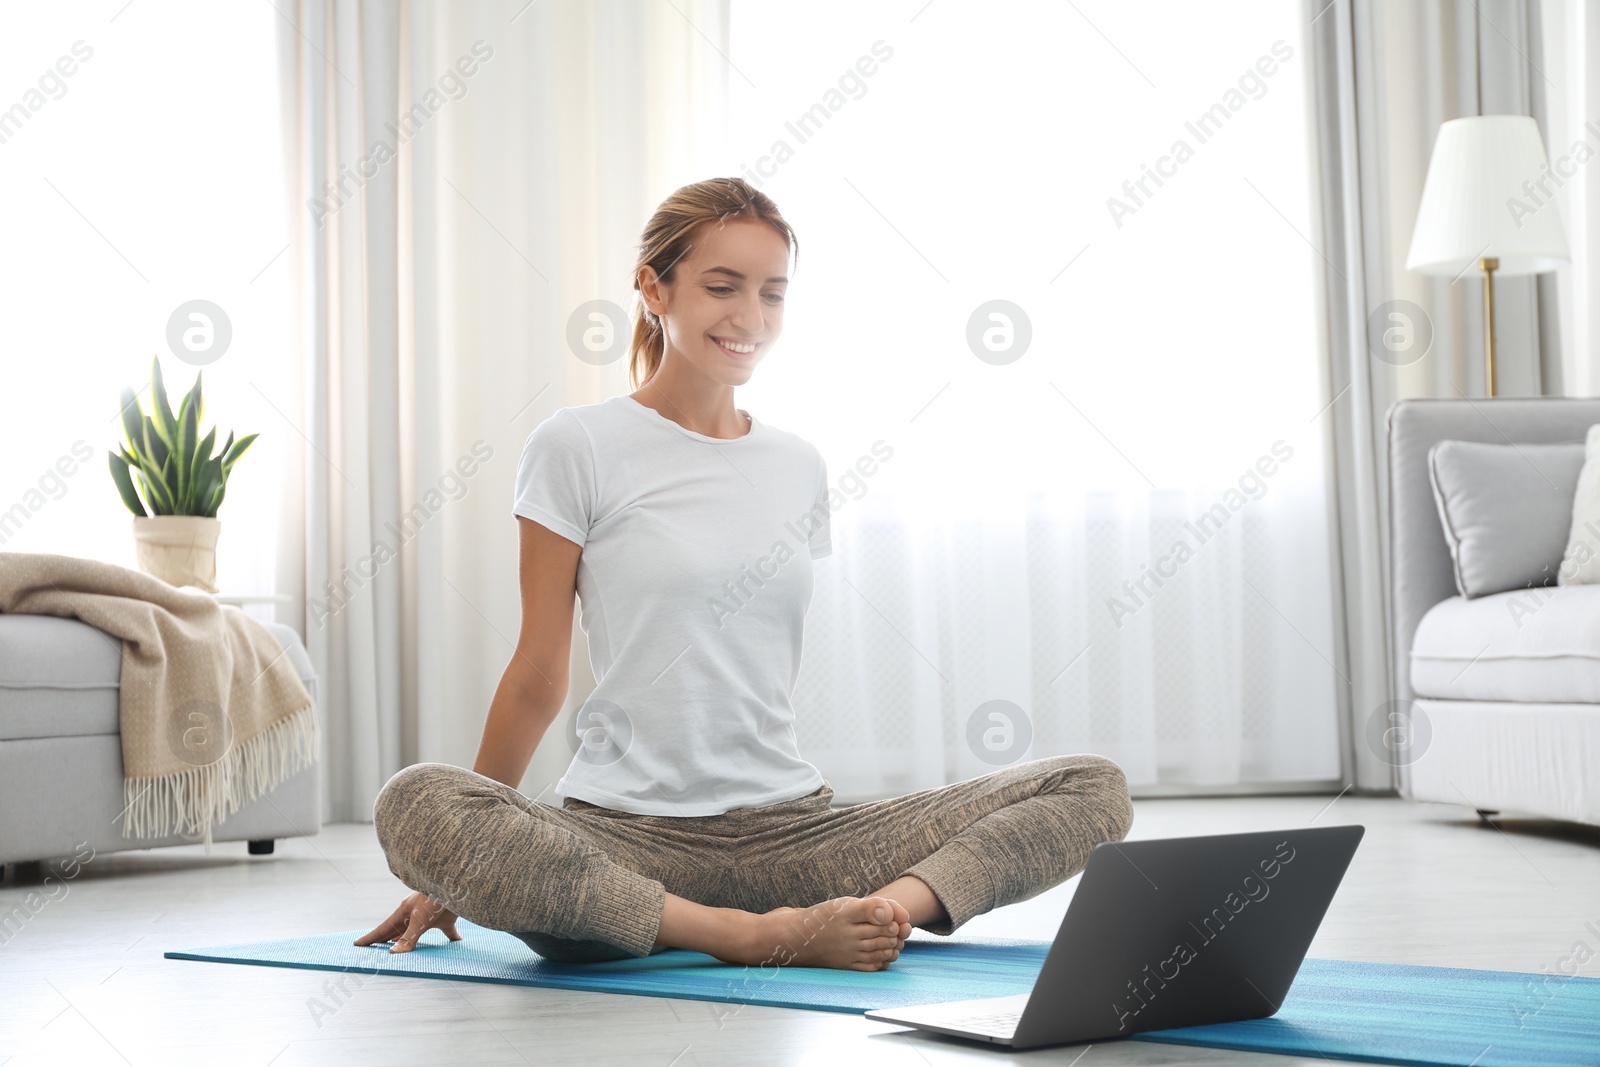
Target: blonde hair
x=670, y=235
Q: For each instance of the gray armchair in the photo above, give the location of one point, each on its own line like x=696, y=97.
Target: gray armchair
x=1504, y=690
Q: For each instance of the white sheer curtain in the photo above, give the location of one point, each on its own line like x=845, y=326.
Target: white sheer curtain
x=935, y=158
x=1570, y=85
x=526, y=144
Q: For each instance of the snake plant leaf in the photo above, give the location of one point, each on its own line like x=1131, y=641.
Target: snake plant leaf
x=179, y=452
x=134, y=467
x=154, y=455
x=216, y=501
x=232, y=455
x=222, y=457
x=169, y=483
x=124, y=480
x=202, y=499
x=142, y=482
x=132, y=419
x=155, y=490
x=212, y=483
x=199, y=398
x=166, y=425
x=183, y=455
x=156, y=450
x=192, y=400
x=199, y=410
x=202, y=457
x=207, y=481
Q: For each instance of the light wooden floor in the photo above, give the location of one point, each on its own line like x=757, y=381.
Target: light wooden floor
x=84, y=981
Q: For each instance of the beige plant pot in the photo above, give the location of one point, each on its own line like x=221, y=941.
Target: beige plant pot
x=179, y=549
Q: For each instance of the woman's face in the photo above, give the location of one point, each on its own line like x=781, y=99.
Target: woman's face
x=728, y=288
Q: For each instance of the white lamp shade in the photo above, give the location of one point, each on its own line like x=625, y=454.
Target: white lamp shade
x=1475, y=202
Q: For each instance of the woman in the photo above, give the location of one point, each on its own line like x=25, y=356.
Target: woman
x=688, y=818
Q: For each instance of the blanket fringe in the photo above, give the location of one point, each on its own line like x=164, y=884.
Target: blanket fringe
x=190, y=802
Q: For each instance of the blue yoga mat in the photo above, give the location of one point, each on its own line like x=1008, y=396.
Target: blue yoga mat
x=1383, y=1012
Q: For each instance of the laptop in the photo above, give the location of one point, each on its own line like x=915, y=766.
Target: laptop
x=1177, y=931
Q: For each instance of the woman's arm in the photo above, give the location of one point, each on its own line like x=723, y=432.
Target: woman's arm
x=534, y=685
x=527, y=701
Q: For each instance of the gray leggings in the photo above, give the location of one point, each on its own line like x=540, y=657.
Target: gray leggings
x=585, y=883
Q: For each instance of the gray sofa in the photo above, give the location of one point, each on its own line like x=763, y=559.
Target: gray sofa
x=1503, y=690
x=61, y=751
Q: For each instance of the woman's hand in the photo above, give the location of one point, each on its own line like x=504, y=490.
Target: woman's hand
x=416, y=914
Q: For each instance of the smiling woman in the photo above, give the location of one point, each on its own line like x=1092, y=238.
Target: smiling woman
x=672, y=524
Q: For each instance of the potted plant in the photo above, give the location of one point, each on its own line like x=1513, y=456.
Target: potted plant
x=175, y=529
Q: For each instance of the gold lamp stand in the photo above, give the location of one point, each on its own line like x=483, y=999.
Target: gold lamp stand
x=1490, y=264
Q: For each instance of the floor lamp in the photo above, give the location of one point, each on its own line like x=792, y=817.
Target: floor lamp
x=1488, y=202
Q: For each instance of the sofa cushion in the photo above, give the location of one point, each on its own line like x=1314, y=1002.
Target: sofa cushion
x=1539, y=645
x=1506, y=510
x=1581, y=564
x=59, y=677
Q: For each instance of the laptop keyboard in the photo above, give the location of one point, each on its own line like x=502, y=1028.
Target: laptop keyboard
x=999, y=1023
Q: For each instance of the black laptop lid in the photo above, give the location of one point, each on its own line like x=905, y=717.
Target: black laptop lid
x=1185, y=931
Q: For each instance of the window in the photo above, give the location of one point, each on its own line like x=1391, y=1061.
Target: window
x=141, y=157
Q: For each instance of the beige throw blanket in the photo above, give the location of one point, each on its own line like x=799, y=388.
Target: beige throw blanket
x=213, y=713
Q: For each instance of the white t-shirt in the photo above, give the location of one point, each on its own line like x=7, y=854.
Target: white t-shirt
x=694, y=583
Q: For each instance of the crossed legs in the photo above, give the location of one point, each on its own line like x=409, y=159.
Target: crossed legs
x=578, y=886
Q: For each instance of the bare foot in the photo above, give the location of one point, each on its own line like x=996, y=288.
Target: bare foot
x=850, y=933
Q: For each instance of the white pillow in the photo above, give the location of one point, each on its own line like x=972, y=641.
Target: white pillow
x=1581, y=564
